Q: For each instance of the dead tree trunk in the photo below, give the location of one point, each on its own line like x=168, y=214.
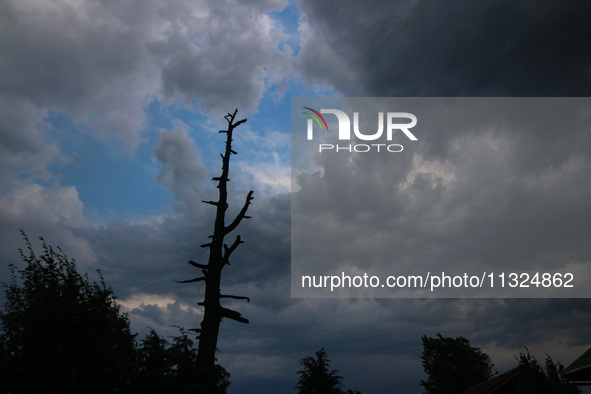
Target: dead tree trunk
x=219, y=257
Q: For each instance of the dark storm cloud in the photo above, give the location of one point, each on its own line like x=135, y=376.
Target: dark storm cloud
x=82, y=59
x=50, y=211
x=495, y=184
x=455, y=48
x=182, y=170
x=108, y=60
x=101, y=63
x=146, y=258
x=24, y=146
x=385, y=334
x=525, y=185
x=231, y=61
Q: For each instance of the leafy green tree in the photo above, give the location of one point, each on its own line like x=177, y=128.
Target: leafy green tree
x=452, y=365
x=548, y=379
x=61, y=333
x=316, y=376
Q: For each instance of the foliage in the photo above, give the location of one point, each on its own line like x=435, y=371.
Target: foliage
x=543, y=380
x=61, y=333
x=171, y=368
x=315, y=377
x=452, y=365
x=154, y=364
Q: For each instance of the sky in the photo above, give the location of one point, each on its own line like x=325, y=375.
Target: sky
x=109, y=113
x=450, y=201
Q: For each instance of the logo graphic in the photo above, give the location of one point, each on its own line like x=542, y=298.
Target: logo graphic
x=394, y=121
x=316, y=119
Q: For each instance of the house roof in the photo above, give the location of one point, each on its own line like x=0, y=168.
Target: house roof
x=580, y=369
x=494, y=384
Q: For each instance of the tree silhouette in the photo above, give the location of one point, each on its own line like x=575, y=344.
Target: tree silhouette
x=154, y=365
x=219, y=257
x=452, y=365
x=534, y=378
x=171, y=368
x=61, y=333
x=316, y=378
x=188, y=377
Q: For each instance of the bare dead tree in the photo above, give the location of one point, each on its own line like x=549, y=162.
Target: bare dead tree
x=219, y=257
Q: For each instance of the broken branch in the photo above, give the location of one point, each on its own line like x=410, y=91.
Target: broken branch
x=191, y=280
x=194, y=264
x=241, y=214
x=235, y=297
x=230, y=314
x=228, y=251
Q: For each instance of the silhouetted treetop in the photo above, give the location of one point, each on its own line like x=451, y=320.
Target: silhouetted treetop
x=316, y=377
x=171, y=368
x=547, y=379
x=452, y=365
x=61, y=333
